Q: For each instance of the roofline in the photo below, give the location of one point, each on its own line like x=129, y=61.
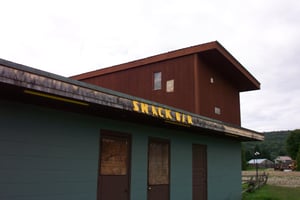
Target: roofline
x=37, y=82
x=214, y=45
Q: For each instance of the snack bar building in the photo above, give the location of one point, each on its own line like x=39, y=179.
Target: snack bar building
x=165, y=127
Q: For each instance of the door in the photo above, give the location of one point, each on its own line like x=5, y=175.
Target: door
x=113, y=180
x=199, y=172
x=158, y=169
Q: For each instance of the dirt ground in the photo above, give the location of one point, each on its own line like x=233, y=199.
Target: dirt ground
x=279, y=178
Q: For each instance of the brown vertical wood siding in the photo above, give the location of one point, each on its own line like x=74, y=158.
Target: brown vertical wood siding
x=193, y=90
x=139, y=82
x=221, y=93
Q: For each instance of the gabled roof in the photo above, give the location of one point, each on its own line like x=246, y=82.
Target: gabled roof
x=212, y=52
x=25, y=84
x=283, y=158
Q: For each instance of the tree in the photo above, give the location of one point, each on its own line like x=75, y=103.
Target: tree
x=265, y=153
x=293, y=143
x=244, y=162
x=298, y=160
x=257, y=149
x=248, y=155
x=274, y=145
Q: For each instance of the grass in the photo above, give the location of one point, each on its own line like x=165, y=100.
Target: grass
x=270, y=192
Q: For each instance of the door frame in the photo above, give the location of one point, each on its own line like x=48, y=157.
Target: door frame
x=105, y=133
x=165, y=141
x=203, y=192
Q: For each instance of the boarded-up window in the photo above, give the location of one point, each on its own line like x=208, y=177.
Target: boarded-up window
x=170, y=86
x=113, y=156
x=158, y=163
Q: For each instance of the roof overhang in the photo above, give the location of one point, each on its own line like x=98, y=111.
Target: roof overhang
x=23, y=83
x=223, y=62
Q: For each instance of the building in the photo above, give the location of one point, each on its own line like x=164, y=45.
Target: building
x=66, y=139
x=283, y=159
x=284, y=163
x=261, y=163
x=204, y=79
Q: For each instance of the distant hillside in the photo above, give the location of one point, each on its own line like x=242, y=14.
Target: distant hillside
x=274, y=145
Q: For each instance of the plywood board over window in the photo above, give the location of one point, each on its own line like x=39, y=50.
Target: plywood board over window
x=158, y=163
x=114, y=157
x=158, y=169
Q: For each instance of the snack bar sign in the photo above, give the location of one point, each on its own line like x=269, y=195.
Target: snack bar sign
x=164, y=113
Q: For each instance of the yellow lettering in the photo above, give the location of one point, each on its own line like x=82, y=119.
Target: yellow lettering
x=183, y=118
x=144, y=108
x=189, y=119
x=136, y=106
x=178, y=116
x=168, y=114
x=154, y=111
x=160, y=112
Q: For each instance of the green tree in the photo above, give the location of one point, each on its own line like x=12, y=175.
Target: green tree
x=274, y=145
x=293, y=143
x=298, y=160
x=282, y=152
x=244, y=161
x=265, y=153
x=257, y=149
x=248, y=155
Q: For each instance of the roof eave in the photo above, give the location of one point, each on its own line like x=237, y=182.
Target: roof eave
x=36, y=82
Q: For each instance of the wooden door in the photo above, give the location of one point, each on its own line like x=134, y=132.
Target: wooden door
x=199, y=172
x=113, y=181
x=158, y=170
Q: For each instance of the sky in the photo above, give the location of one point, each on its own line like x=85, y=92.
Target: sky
x=69, y=37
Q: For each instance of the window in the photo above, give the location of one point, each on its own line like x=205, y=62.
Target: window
x=157, y=81
x=170, y=86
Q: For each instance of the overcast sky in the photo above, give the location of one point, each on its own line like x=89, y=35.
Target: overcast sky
x=71, y=37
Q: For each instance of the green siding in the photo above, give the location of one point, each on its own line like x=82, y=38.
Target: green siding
x=46, y=154
x=49, y=154
x=224, y=170
x=139, y=166
x=181, y=170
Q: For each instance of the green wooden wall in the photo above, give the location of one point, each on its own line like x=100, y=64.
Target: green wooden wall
x=50, y=154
